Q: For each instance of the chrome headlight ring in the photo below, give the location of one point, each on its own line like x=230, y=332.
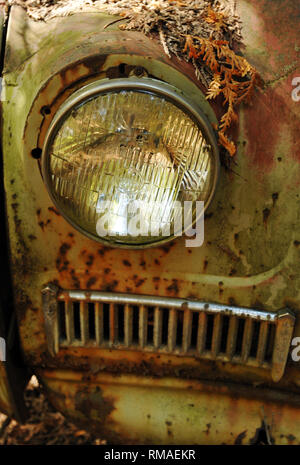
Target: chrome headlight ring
x=143, y=89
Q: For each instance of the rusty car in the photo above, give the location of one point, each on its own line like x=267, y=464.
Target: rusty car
x=149, y=340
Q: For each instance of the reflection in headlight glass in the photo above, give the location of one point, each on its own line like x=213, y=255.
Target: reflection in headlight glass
x=124, y=147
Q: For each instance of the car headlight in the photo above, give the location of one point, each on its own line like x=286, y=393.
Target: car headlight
x=116, y=144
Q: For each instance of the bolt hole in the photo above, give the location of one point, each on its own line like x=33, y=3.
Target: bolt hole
x=122, y=68
x=36, y=153
x=45, y=110
x=139, y=71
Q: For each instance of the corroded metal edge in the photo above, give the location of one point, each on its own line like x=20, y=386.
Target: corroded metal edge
x=284, y=332
x=49, y=301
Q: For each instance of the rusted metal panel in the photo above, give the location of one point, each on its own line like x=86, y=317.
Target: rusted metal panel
x=13, y=377
x=256, y=207
x=133, y=410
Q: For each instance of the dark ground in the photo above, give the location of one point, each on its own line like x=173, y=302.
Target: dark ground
x=45, y=426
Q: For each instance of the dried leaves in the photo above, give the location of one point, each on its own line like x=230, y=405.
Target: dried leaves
x=205, y=32
x=233, y=78
x=215, y=18
x=45, y=426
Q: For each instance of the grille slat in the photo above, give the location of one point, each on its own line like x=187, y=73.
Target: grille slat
x=247, y=339
x=143, y=327
x=187, y=331
x=216, y=336
x=84, y=323
x=69, y=322
x=170, y=326
x=231, y=338
x=99, y=322
x=262, y=342
x=113, y=323
x=128, y=321
x=202, y=323
x=172, y=330
x=157, y=336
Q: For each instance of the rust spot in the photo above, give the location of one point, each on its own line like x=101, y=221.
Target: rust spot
x=64, y=248
x=23, y=304
x=53, y=210
x=263, y=123
x=266, y=213
x=240, y=437
x=61, y=262
x=32, y=237
x=231, y=301
x=157, y=262
x=106, y=270
x=143, y=264
x=275, y=198
x=110, y=287
x=104, y=250
x=126, y=263
x=75, y=280
x=208, y=428
x=174, y=288
x=86, y=401
x=43, y=224
x=139, y=282
x=291, y=438
x=91, y=282
x=296, y=243
x=205, y=263
x=90, y=260
x=166, y=247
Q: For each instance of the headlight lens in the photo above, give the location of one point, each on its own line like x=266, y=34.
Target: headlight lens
x=118, y=148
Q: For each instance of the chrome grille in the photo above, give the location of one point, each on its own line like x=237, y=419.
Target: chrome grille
x=167, y=325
